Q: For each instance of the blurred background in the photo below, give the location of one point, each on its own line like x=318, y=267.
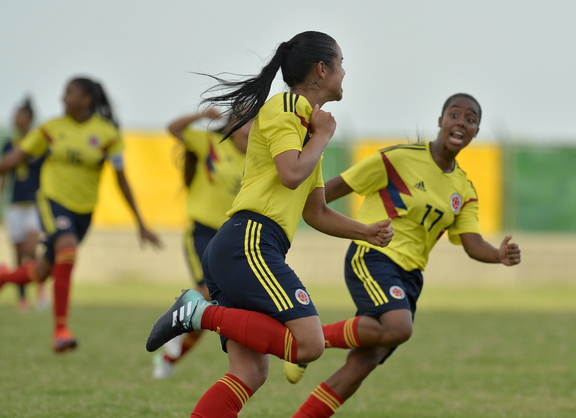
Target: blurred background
x=402, y=60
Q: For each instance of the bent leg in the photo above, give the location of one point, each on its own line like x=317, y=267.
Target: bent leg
x=248, y=371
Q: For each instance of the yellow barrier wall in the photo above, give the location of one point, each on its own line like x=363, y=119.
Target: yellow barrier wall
x=481, y=162
x=156, y=181
x=151, y=168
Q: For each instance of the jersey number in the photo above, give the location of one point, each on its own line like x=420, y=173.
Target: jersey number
x=73, y=156
x=436, y=211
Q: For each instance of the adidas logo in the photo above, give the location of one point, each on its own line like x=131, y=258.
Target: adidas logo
x=420, y=186
x=178, y=315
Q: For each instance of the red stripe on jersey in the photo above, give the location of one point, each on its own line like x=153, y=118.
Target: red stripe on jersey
x=302, y=120
x=388, y=203
x=469, y=201
x=394, y=177
x=48, y=137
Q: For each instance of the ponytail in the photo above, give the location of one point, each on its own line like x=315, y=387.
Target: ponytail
x=100, y=103
x=295, y=58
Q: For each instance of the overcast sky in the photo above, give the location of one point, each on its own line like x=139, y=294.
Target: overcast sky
x=402, y=58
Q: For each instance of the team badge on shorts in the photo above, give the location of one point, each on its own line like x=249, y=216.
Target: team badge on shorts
x=455, y=202
x=302, y=297
x=397, y=292
x=62, y=222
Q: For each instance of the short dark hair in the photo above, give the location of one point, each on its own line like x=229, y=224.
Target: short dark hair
x=27, y=107
x=465, y=96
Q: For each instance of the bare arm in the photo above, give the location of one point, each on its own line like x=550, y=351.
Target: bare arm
x=324, y=219
x=176, y=128
x=478, y=249
x=145, y=233
x=336, y=188
x=296, y=166
x=12, y=159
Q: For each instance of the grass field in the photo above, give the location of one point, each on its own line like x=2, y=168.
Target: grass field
x=476, y=352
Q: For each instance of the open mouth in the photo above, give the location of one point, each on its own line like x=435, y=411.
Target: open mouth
x=457, y=137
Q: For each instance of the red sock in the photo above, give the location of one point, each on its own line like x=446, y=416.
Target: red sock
x=253, y=330
x=321, y=403
x=189, y=341
x=24, y=273
x=62, y=272
x=223, y=400
x=343, y=334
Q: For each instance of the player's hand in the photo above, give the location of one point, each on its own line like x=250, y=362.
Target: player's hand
x=322, y=123
x=380, y=233
x=148, y=236
x=509, y=253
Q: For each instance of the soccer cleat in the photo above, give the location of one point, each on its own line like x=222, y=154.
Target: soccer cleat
x=163, y=369
x=63, y=340
x=184, y=316
x=294, y=372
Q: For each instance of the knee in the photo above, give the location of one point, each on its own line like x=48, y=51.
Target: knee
x=310, y=350
x=394, y=336
x=259, y=376
x=401, y=334
x=252, y=375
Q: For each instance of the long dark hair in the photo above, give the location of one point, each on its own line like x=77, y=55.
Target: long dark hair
x=100, y=103
x=295, y=58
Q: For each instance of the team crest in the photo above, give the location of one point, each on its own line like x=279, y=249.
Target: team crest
x=397, y=292
x=302, y=297
x=455, y=203
x=62, y=222
x=93, y=141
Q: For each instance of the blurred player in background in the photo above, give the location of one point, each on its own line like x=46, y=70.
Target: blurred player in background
x=425, y=192
x=21, y=214
x=259, y=305
x=77, y=145
x=212, y=173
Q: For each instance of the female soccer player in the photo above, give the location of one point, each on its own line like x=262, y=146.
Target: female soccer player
x=424, y=191
x=77, y=145
x=259, y=305
x=21, y=213
x=212, y=173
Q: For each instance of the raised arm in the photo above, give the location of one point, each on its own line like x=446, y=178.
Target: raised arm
x=296, y=166
x=478, y=249
x=176, y=128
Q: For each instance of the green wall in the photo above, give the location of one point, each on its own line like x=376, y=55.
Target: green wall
x=540, y=188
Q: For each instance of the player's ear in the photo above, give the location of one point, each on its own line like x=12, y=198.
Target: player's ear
x=320, y=69
x=440, y=122
x=477, y=130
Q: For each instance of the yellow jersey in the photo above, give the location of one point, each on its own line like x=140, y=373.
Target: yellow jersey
x=282, y=124
x=217, y=179
x=403, y=182
x=76, y=152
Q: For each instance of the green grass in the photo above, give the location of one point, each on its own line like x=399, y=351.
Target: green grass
x=476, y=352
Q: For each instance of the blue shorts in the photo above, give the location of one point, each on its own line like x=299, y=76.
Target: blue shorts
x=245, y=267
x=57, y=220
x=379, y=285
x=196, y=239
